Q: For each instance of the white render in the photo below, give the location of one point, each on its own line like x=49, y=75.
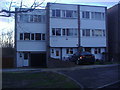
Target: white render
x=58, y=45
x=29, y=45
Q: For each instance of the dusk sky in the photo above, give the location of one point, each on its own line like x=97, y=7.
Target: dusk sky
x=7, y=23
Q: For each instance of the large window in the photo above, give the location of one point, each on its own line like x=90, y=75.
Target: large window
x=56, y=13
x=97, y=15
x=32, y=18
x=35, y=18
x=56, y=31
x=64, y=32
x=85, y=14
x=24, y=18
x=86, y=32
x=97, y=32
x=69, y=13
x=32, y=36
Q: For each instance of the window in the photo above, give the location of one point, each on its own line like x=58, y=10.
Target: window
x=35, y=18
x=97, y=15
x=26, y=36
x=85, y=14
x=99, y=50
x=52, y=50
x=95, y=51
x=21, y=36
x=69, y=14
x=86, y=32
x=63, y=32
x=87, y=49
x=69, y=51
x=56, y=13
x=43, y=36
x=104, y=33
x=25, y=55
x=97, y=32
x=57, y=53
x=24, y=17
x=37, y=36
x=32, y=36
x=56, y=31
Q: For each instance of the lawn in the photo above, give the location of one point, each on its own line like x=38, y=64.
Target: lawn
x=36, y=80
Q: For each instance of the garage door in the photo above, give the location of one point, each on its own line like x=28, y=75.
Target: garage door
x=38, y=60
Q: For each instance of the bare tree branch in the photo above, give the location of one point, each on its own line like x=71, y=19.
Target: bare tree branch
x=7, y=13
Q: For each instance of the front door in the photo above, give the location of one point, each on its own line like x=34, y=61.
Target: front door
x=26, y=59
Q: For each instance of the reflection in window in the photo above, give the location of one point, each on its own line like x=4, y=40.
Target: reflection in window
x=37, y=36
x=26, y=36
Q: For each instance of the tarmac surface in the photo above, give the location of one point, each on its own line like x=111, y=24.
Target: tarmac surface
x=86, y=76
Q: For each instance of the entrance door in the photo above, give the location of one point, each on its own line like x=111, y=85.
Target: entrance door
x=26, y=59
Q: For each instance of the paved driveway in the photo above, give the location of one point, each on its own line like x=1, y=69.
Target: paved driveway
x=95, y=77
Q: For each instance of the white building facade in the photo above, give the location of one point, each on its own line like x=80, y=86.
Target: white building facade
x=30, y=38
x=74, y=26
x=58, y=32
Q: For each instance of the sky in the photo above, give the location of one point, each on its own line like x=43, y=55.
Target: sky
x=7, y=23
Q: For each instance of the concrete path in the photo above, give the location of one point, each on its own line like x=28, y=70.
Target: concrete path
x=57, y=69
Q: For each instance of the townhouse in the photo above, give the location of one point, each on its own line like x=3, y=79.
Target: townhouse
x=59, y=31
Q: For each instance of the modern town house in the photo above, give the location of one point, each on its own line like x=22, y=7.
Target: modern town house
x=59, y=31
x=114, y=32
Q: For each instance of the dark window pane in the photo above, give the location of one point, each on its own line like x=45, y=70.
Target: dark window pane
x=32, y=36
x=67, y=31
x=21, y=36
x=57, y=53
x=37, y=36
x=57, y=13
x=58, y=31
x=53, y=31
x=87, y=14
x=43, y=36
x=25, y=55
x=87, y=32
x=83, y=32
x=69, y=13
x=63, y=31
x=53, y=13
x=67, y=51
x=26, y=36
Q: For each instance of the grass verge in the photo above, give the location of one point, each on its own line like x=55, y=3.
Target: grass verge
x=36, y=80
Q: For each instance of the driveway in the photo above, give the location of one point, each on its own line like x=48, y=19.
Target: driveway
x=94, y=77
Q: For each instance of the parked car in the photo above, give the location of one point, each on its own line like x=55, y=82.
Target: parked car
x=82, y=57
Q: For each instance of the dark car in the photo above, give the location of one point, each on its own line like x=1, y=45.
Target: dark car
x=82, y=57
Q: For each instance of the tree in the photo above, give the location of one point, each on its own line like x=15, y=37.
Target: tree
x=7, y=12
x=6, y=39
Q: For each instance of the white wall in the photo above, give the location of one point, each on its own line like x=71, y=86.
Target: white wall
x=63, y=41
x=22, y=27
x=92, y=41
